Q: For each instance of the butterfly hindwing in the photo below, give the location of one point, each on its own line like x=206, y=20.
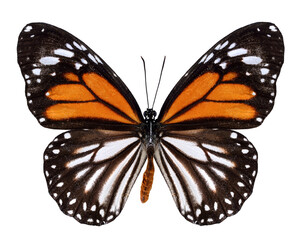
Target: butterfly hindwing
x=90, y=173
x=232, y=85
x=68, y=85
x=210, y=173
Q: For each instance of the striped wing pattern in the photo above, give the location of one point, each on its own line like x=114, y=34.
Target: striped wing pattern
x=90, y=173
x=210, y=173
x=233, y=85
x=68, y=85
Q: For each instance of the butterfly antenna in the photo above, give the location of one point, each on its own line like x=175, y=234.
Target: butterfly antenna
x=145, y=81
x=162, y=68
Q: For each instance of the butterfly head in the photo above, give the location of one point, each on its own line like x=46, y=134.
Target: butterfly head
x=149, y=115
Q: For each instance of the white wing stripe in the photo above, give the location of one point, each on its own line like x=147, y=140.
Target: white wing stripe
x=112, y=148
x=111, y=181
x=189, y=148
x=190, y=182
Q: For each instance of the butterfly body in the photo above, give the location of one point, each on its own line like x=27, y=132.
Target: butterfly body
x=209, y=168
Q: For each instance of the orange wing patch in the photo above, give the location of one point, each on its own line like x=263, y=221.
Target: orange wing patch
x=207, y=97
x=107, y=92
x=64, y=111
x=217, y=110
x=96, y=98
x=196, y=90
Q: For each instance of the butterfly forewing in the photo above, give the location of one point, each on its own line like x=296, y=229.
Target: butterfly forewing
x=232, y=85
x=90, y=173
x=210, y=173
x=68, y=85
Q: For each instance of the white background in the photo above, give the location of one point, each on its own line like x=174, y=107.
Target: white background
x=120, y=32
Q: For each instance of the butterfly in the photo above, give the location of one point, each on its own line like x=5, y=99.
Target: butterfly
x=209, y=168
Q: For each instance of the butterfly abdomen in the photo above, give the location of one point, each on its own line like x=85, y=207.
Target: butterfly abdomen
x=147, y=179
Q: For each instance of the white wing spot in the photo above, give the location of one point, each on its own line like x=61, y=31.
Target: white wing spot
x=264, y=71
x=224, y=44
x=67, y=135
x=49, y=60
x=64, y=53
x=237, y=52
x=28, y=29
x=208, y=57
x=77, y=45
x=92, y=58
x=36, y=71
x=273, y=28
x=83, y=61
x=232, y=45
x=251, y=60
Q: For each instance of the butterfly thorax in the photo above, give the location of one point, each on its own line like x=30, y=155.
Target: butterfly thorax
x=150, y=142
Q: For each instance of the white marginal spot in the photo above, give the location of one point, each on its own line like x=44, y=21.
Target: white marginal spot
x=237, y=52
x=218, y=47
x=190, y=217
x=229, y=211
x=233, y=135
x=198, y=212
x=92, y=58
x=83, y=47
x=209, y=181
x=93, y=179
x=259, y=119
x=78, y=216
x=86, y=148
x=36, y=71
x=273, y=28
x=224, y=44
x=101, y=212
x=72, y=201
x=93, y=208
x=251, y=60
x=274, y=76
x=227, y=201
x=60, y=184
x=210, y=220
x=206, y=208
x=68, y=45
x=83, y=61
x=189, y=148
x=78, y=66
x=264, y=71
x=254, y=157
x=55, y=151
x=203, y=58
x=64, y=53
x=67, y=135
x=208, y=57
x=223, y=65
x=26, y=76
x=28, y=29
x=49, y=60
x=240, y=184
x=110, y=149
x=215, y=206
x=245, y=151
x=90, y=220
x=70, y=212
x=42, y=120
x=77, y=45
x=221, y=216
x=84, y=206
x=98, y=59
x=217, y=60
x=232, y=45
